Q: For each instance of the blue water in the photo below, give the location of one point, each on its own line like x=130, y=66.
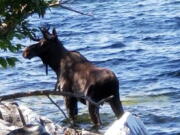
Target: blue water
x=137, y=39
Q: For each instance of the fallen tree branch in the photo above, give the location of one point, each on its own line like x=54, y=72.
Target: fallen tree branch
x=49, y=92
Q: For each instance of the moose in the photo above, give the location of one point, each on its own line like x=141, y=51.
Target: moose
x=76, y=74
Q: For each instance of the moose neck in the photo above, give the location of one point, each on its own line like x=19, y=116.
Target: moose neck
x=53, y=57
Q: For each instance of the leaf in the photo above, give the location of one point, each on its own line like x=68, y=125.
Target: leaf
x=11, y=61
x=12, y=48
x=14, y=13
x=8, y=61
x=3, y=62
x=19, y=36
x=18, y=46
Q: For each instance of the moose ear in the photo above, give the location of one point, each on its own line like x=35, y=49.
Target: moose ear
x=54, y=32
x=45, y=32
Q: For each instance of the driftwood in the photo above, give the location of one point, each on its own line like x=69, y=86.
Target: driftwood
x=51, y=92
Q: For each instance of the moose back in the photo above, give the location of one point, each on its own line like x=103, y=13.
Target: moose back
x=76, y=74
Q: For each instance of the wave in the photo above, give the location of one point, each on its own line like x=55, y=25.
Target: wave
x=158, y=37
x=174, y=2
x=155, y=118
x=114, y=61
x=175, y=73
x=115, y=45
x=173, y=64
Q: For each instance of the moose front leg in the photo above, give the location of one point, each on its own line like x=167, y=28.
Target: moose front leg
x=116, y=106
x=94, y=114
x=71, y=107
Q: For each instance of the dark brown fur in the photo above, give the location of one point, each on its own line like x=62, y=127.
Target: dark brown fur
x=77, y=75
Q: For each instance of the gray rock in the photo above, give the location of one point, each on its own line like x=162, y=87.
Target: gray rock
x=19, y=120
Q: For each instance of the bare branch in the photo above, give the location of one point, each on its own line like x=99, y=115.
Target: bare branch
x=52, y=92
x=34, y=37
x=70, y=9
x=59, y=3
x=59, y=109
x=45, y=93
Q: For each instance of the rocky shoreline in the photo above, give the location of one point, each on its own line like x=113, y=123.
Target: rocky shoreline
x=16, y=119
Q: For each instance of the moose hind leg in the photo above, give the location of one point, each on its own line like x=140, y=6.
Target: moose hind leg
x=71, y=107
x=94, y=114
x=116, y=106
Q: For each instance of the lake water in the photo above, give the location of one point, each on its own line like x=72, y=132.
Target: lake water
x=137, y=39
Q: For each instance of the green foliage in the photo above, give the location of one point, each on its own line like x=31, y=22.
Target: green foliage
x=8, y=61
x=14, y=24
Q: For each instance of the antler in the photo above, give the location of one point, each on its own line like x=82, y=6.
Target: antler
x=45, y=32
x=44, y=29
x=34, y=37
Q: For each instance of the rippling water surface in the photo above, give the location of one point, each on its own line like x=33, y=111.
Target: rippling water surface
x=137, y=39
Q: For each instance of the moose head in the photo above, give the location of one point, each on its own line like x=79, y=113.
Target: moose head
x=48, y=48
x=43, y=45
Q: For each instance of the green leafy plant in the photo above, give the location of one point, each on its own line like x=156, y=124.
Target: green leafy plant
x=14, y=24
